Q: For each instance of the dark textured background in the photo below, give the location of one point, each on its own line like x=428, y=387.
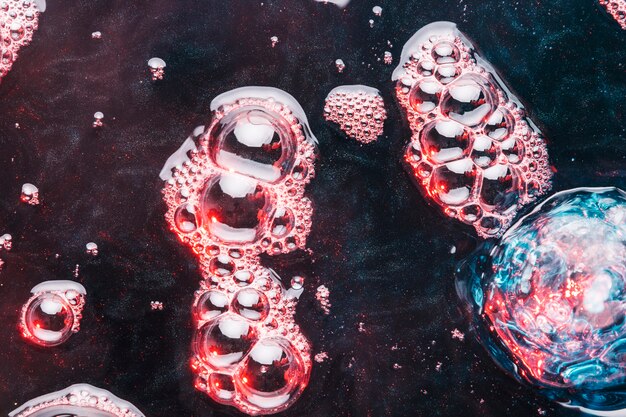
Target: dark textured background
x=380, y=248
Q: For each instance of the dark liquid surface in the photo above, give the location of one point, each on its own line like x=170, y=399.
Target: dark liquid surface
x=379, y=246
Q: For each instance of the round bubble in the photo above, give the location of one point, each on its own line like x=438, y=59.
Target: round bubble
x=49, y=318
x=225, y=341
x=549, y=299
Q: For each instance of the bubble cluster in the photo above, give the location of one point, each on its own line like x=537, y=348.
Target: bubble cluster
x=53, y=313
x=19, y=20
x=617, y=9
x=237, y=194
x=358, y=110
x=473, y=151
x=550, y=299
x=77, y=400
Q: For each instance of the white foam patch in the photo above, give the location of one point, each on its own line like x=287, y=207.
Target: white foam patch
x=76, y=389
x=60, y=285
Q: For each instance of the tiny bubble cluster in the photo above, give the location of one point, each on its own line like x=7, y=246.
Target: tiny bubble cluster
x=549, y=300
x=617, y=9
x=237, y=191
x=358, y=110
x=473, y=151
x=322, y=295
x=19, y=20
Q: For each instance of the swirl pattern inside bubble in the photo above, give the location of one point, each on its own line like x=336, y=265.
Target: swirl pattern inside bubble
x=550, y=298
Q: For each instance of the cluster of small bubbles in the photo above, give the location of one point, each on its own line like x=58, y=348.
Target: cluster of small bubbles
x=359, y=111
x=240, y=193
x=98, y=119
x=157, y=68
x=81, y=400
x=322, y=296
x=96, y=35
x=53, y=312
x=617, y=9
x=274, y=41
x=549, y=299
x=340, y=65
x=19, y=20
x=457, y=334
x=30, y=194
x=473, y=150
x=156, y=305
x=377, y=10
x=388, y=58
x=91, y=248
x=321, y=357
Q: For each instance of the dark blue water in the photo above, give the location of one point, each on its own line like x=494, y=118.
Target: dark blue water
x=383, y=251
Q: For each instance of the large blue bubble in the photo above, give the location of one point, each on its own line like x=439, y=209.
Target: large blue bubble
x=549, y=300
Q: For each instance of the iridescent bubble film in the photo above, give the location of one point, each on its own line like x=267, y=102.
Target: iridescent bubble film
x=549, y=300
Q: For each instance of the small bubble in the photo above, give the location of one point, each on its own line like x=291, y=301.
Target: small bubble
x=274, y=40
x=157, y=68
x=30, y=194
x=156, y=305
x=91, y=249
x=340, y=65
x=96, y=35
x=377, y=10
x=97, y=119
x=297, y=282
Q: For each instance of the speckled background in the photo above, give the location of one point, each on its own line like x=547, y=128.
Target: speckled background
x=383, y=251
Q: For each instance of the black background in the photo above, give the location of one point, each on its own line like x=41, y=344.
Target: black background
x=383, y=251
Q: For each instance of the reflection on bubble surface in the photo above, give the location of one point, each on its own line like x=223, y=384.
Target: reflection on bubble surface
x=549, y=300
x=473, y=150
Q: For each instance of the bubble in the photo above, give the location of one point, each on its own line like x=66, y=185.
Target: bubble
x=269, y=376
x=97, y=119
x=53, y=313
x=234, y=208
x=274, y=41
x=283, y=222
x=358, y=110
x=157, y=68
x=472, y=145
x=221, y=387
x=211, y=304
x=30, y=194
x=297, y=282
x=91, y=248
x=468, y=100
x=548, y=299
x=454, y=181
x=446, y=53
x=77, y=400
x=185, y=218
x=340, y=65
x=251, y=304
x=225, y=341
x=445, y=141
x=253, y=142
x=424, y=96
x=221, y=266
x=96, y=35
x=243, y=278
x=377, y=10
